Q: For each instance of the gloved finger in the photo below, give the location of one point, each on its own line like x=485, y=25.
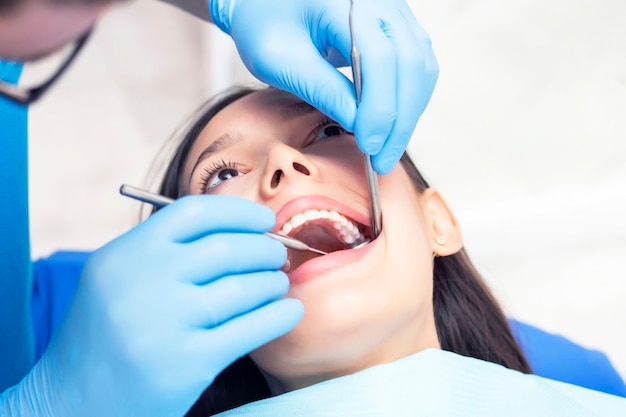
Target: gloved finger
x=407, y=13
x=192, y=217
x=377, y=110
x=300, y=69
x=336, y=58
x=224, y=344
x=228, y=297
x=222, y=254
x=417, y=72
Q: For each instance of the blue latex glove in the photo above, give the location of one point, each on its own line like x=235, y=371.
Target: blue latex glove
x=294, y=45
x=160, y=311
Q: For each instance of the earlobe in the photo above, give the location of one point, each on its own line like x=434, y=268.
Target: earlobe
x=444, y=230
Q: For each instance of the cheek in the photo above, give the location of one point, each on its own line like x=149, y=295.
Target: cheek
x=343, y=164
x=406, y=230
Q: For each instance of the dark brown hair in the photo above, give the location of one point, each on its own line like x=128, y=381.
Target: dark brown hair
x=468, y=319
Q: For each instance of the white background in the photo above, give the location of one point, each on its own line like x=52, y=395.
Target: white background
x=525, y=136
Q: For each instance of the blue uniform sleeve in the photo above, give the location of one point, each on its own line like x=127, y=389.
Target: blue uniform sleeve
x=55, y=280
x=16, y=340
x=555, y=357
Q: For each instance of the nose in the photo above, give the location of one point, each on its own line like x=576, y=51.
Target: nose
x=279, y=173
x=285, y=165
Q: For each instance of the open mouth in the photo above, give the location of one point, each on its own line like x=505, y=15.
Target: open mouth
x=327, y=230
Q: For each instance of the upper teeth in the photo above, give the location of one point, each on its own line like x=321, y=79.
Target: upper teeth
x=347, y=229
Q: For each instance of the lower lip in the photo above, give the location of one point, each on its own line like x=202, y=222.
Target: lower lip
x=316, y=267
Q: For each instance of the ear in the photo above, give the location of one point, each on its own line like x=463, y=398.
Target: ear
x=444, y=231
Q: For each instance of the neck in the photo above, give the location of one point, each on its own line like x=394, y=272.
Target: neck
x=352, y=363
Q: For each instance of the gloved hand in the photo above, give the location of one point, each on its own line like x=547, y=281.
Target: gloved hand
x=294, y=45
x=160, y=311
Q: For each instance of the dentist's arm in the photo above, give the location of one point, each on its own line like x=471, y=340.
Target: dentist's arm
x=296, y=44
x=160, y=312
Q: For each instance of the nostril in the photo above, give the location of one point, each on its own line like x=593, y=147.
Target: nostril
x=301, y=168
x=276, y=178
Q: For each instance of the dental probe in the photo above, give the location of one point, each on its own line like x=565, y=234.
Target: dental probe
x=159, y=201
x=372, y=178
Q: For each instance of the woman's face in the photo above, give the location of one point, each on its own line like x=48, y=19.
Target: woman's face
x=362, y=306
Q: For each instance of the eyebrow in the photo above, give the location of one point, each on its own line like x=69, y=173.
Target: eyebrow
x=218, y=145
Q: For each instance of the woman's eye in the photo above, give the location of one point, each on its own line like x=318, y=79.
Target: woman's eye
x=221, y=176
x=327, y=130
x=333, y=130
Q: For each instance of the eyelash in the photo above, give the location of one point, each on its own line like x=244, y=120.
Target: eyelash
x=318, y=128
x=210, y=171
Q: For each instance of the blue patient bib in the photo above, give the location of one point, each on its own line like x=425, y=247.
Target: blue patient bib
x=436, y=383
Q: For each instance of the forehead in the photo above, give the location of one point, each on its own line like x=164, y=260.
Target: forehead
x=268, y=102
x=243, y=118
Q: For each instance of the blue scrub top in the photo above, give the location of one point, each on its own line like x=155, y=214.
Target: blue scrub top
x=16, y=339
